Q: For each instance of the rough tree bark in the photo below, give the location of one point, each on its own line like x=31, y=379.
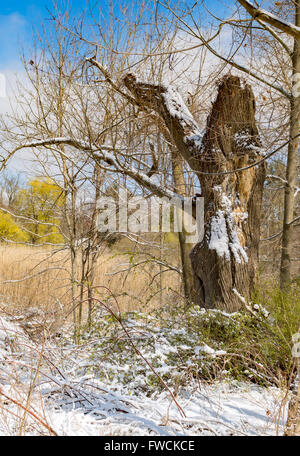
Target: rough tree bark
x=225, y=262
x=291, y=168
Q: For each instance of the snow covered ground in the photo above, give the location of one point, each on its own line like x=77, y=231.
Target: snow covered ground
x=41, y=393
x=218, y=410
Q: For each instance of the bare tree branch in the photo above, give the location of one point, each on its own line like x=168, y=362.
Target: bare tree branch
x=271, y=19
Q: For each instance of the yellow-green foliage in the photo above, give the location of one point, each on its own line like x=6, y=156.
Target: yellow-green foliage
x=41, y=201
x=9, y=229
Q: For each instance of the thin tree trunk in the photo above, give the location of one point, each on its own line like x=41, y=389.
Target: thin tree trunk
x=93, y=247
x=293, y=419
x=73, y=261
x=185, y=248
x=291, y=169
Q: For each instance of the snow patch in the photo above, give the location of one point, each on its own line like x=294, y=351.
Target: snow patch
x=208, y=350
x=224, y=231
x=218, y=235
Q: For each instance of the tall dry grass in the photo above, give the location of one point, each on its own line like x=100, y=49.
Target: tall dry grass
x=47, y=280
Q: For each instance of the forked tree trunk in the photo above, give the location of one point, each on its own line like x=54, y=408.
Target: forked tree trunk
x=225, y=262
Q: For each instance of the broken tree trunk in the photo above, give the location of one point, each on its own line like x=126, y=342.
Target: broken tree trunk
x=227, y=258
x=225, y=261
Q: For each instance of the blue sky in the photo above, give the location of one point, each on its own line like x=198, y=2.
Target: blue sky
x=17, y=17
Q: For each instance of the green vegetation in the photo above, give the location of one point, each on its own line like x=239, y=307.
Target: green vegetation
x=204, y=345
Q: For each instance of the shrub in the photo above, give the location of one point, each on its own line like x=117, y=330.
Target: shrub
x=10, y=230
x=198, y=344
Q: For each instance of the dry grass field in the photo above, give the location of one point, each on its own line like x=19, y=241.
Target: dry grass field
x=38, y=277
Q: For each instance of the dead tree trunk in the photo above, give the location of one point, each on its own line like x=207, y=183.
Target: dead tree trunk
x=225, y=262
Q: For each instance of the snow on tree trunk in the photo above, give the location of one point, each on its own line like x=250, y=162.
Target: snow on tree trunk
x=227, y=258
x=225, y=262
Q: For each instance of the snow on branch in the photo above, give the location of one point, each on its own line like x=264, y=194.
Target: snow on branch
x=104, y=153
x=170, y=106
x=271, y=19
